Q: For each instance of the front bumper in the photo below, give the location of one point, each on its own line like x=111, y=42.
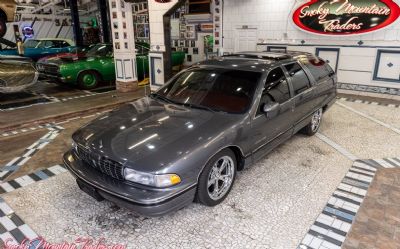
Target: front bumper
x=52, y=77
x=144, y=201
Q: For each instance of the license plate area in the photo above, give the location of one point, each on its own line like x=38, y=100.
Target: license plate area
x=89, y=190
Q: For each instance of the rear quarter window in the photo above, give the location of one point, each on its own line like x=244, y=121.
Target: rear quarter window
x=319, y=69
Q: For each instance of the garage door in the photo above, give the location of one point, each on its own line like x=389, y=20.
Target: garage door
x=246, y=40
x=330, y=55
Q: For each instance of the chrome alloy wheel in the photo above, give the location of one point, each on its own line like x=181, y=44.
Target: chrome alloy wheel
x=220, y=177
x=316, y=120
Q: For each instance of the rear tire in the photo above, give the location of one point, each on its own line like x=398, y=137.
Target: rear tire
x=3, y=27
x=217, y=178
x=88, y=80
x=314, y=124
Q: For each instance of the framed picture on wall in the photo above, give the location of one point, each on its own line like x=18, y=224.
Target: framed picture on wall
x=182, y=27
x=206, y=26
x=191, y=35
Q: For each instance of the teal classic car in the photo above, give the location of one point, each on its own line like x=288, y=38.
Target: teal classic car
x=38, y=48
x=88, y=69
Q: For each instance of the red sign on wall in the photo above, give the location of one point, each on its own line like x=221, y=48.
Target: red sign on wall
x=345, y=17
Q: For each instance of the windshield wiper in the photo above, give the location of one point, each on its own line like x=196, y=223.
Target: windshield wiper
x=202, y=107
x=159, y=96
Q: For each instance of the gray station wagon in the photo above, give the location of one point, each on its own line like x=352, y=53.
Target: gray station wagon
x=188, y=140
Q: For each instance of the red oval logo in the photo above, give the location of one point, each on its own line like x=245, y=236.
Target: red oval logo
x=345, y=17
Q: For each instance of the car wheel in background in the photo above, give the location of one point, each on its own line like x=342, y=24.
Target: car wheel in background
x=3, y=27
x=217, y=178
x=314, y=124
x=88, y=79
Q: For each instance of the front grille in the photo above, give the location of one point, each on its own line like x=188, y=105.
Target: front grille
x=101, y=163
x=48, y=68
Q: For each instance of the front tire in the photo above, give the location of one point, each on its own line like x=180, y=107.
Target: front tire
x=217, y=178
x=3, y=26
x=88, y=80
x=314, y=124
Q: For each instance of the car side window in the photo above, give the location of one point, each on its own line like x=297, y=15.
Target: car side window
x=318, y=69
x=276, y=89
x=299, y=78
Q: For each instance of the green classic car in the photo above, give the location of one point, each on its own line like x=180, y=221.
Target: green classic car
x=96, y=65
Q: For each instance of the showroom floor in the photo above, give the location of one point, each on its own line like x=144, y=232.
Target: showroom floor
x=301, y=195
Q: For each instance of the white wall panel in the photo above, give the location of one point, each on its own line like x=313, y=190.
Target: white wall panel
x=274, y=26
x=354, y=77
x=359, y=63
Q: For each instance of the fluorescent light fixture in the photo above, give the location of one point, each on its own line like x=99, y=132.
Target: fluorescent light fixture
x=143, y=141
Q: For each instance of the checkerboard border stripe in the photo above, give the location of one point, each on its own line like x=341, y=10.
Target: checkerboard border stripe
x=369, y=102
x=26, y=180
x=17, y=162
x=12, y=226
x=330, y=228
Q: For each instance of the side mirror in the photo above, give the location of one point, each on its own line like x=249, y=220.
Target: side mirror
x=271, y=109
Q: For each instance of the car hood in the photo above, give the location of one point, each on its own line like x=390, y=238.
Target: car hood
x=149, y=135
x=62, y=58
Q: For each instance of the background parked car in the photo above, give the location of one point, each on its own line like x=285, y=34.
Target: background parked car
x=7, y=12
x=38, y=48
x=88, y=69
x=16, y=74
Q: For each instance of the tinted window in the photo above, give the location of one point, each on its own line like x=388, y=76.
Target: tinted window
x=276, y=89
x=318, y=69
x=299, y=78
x=218, y=89
x=99, y=50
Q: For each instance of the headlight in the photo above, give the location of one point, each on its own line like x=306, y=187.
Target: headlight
x=159, y=181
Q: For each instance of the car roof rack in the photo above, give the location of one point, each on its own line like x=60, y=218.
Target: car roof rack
x=260, y=55
x=274, y=56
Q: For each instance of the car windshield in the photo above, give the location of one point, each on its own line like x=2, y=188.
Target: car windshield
x=99, y=50
x=31, y=43
x=221, y=90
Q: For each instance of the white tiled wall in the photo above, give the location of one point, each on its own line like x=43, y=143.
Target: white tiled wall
x=272, y=20
x=156, y=12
